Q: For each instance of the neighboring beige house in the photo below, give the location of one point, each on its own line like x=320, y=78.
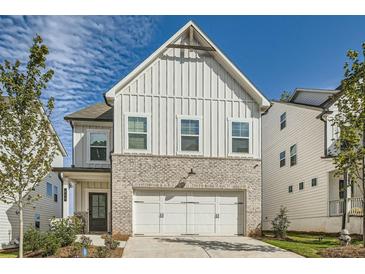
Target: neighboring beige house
x=176, y=149
x=298, y=170
x=39, y=214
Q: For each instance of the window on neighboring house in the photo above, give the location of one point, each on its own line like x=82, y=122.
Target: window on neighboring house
x=314, y=182
x=283, y=121
x=290, y=189
x=240, y=137
x=190, y=135
x=282, y=158
x=37, y=221
x=137, y=133
x=55, y=193
x=301, y=185
x=49, y=190
x=98, y=141
x=293, y=155
x=341, y=189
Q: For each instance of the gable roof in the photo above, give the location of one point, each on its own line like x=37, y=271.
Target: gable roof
x=312, y=97
x=97, y=112
x=215, y=52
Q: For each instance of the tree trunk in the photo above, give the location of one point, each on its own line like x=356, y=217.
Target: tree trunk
x=363, y=188
x=21, y=234
x=344, y=209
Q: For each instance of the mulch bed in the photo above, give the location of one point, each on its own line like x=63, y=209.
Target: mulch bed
x=343, y=252
x=68, y=252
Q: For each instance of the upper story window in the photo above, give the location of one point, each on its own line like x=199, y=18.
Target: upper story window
x=283, y=121
x=290, y=189
x=301, y=185
x=137, y=132
x=190, y=140
x=314, y=182
x=55, y=193
x=98, y=145
x=240, y=136
x=49, y=190
x=282, y=158
x=293, y=155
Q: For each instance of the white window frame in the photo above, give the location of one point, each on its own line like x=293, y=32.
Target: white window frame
x=296, y=155
x=126, y=135
x=250, y=142
x=107, y=133
x=189, y=117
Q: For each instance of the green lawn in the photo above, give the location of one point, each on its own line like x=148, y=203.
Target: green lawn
x=306, y=245
x=8, y=254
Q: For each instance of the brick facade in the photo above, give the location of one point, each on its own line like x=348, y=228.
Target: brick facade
x=141, y=171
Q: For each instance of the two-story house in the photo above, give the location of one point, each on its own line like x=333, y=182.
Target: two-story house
x=175, y=149
x=298, y=171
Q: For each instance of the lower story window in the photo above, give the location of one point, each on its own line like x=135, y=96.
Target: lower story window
x=290, y=189
x=37, y=221
x=301, y=185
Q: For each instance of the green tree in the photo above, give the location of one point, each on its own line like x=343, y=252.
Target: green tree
x=284, y=96
x=27, y=144
x=350, y=121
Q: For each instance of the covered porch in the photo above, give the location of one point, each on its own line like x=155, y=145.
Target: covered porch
x=86, y=193
x=338, y=197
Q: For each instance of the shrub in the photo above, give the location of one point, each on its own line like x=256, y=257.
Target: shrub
x=85, y=241
x=110, y=243
x=79, y=222
x=33, y=240
x=256, y=232
x=75, y=250
x=101, y=252
x=281, y=223
x=50, y=244
x=65, y=230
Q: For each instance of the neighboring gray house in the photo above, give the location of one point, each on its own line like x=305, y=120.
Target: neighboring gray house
x=298, y=170
x=176, y=149
x=39, y=214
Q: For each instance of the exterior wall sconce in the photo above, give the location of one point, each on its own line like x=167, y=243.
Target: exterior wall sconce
x=182, y=182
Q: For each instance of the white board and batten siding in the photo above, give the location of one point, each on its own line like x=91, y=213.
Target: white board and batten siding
x=81, y=146
x=180, y=83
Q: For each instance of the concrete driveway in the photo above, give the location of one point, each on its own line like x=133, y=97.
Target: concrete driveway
x=202, y=247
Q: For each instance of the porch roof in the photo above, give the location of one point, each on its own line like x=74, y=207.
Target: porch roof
x=84, y=174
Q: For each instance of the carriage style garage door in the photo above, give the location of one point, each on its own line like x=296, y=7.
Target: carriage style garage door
x=188, y=213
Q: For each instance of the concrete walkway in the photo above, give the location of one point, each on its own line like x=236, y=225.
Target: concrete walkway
x=202, y=247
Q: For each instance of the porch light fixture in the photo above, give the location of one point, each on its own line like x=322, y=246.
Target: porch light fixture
x=191, y=172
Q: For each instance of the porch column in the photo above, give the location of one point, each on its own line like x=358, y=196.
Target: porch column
x=66, y=198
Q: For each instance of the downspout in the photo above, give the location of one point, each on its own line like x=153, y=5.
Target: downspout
x=111, y=169
x=72, y=143
x=61, y=179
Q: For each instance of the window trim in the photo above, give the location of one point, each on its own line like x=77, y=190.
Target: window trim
x=49, y=195
x=126, y=133
x=282, y=121
x=189, y=117
x=250, y=137
x=296, y=155
x=97, y=130
x=280, y=159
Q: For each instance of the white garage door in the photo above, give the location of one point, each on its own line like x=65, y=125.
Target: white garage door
x=188, y=213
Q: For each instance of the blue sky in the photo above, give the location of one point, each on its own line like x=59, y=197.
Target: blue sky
x=91, y=53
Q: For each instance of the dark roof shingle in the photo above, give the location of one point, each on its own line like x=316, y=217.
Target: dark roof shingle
x=97, y=112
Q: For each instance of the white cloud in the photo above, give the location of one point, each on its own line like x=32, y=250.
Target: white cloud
x=88, y=54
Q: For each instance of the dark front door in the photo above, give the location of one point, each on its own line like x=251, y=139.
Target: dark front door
x=98, y=212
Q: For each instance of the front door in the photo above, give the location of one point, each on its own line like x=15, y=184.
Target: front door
x=98, y=211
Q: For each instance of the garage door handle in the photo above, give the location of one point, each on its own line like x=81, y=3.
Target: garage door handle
x=161, y=215
x=141, y=202
x=216, y=215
